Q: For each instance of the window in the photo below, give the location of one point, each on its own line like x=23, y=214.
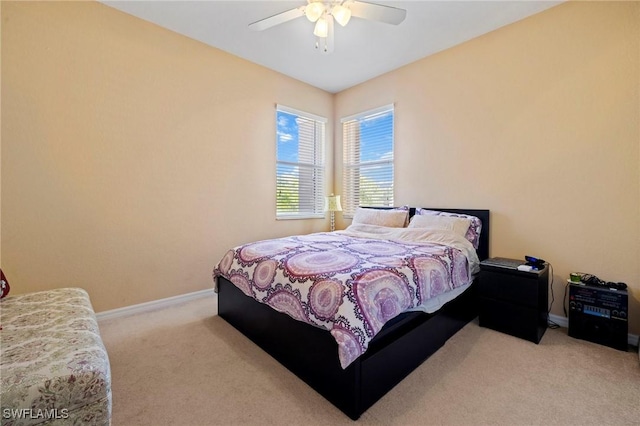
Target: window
x=299, y=164
x=368, y=159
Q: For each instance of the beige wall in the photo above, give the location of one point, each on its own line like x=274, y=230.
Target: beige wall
x=128, y=168
x=538, y=122
x=133, y=157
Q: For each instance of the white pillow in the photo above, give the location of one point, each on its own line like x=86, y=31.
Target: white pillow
x=448, y=223
x=390, y=218
x=473, y=234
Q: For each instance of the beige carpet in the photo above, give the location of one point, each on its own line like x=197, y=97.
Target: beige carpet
x=186, y=366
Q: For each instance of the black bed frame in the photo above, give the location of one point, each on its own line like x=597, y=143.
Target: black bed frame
x=311, y=353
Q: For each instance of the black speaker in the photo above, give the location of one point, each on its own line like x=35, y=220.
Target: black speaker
x=599, y=315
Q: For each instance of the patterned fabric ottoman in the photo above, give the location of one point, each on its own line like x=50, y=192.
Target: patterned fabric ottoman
x=54, y=369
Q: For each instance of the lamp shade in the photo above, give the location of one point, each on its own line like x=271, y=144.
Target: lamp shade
x=322, y=28
x=341, y=14
x=332, y=203
x=314, y=10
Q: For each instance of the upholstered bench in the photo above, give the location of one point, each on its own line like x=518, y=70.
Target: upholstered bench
x=54, y=369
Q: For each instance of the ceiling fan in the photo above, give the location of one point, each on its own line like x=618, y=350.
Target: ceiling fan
x=325, y=12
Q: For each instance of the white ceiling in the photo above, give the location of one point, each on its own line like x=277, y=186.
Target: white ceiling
x=363, y=49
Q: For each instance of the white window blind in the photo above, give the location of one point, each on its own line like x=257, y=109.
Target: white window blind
x=300, y=164
x=368, y=159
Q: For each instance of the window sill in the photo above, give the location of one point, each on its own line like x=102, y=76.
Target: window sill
x=294, y=217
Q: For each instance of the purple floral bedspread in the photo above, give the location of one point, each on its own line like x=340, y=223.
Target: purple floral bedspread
x=350, y=283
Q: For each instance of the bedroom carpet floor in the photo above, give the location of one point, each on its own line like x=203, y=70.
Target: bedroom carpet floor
x=184, y=365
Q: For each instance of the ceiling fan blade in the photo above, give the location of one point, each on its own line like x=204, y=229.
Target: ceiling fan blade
x=377, y=12
x=277, y=19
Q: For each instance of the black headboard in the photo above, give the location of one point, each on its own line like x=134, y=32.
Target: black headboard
x=483, y=215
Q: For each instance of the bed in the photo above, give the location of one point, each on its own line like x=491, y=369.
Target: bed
x=317, y=356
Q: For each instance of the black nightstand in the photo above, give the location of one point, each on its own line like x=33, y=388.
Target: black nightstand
x=512, y=301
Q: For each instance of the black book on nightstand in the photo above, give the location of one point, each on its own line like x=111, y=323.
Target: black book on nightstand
x=513, y=301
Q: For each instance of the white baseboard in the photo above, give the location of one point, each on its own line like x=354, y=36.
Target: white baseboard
x=561, y=321
x=632, y=339
x=140, y=308
x=153, y=305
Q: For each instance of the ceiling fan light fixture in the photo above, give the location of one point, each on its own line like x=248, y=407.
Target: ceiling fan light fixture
x=314, y=10
x=322, y=28
x=341, y=14
x=324, y=12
